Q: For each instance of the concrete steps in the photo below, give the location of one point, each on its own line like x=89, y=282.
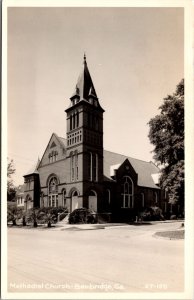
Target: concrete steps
x=64, y=221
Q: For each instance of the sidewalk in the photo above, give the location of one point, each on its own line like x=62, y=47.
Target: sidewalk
x=67, y=226
x=87, y=226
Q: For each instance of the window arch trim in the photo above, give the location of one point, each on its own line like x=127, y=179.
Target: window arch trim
x=52, y=186
x=127, y=198
x=50, y=177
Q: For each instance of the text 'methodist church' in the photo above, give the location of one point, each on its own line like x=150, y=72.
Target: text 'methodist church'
x=77, y=172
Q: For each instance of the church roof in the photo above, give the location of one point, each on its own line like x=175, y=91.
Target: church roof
x=148, y=172
x=84, y=87
x=145, y=170
x=33, y=169
x=20, y=190
x=63, y=141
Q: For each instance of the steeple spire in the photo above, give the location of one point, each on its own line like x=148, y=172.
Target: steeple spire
x=84, y=58
x=84, y=84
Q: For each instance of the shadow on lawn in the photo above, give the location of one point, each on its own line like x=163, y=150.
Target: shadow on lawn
x=140, y=223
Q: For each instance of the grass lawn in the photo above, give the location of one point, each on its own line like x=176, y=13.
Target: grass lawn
x=176, y=234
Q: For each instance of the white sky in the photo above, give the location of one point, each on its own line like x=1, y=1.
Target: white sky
x=135, y=58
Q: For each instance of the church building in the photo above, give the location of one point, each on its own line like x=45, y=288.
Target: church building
x=76, y=171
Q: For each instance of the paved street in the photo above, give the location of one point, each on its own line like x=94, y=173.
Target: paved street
x=114, y=259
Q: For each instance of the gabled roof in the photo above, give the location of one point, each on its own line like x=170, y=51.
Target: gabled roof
x=147, y=172
x=20, y=189
x=63, y=141
x=84, y=86
x=144, y=169
x=33, y=169
x=156, y=178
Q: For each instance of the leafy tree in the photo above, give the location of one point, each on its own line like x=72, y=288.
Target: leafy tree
x=49, y=215
x=14, y=213
x=32, y=216
x=167, y=135
x=10, y=187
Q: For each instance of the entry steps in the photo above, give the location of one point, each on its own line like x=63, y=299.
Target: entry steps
x=65, y=220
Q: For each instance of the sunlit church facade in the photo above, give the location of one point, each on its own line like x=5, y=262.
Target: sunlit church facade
x=77, y=171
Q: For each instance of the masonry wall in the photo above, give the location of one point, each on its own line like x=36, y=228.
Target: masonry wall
x=61, y=153
x=31, y=191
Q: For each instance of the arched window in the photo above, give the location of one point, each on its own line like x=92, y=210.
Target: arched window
x=95, y=166
x=42, y=199
x=76, y=167
x=70, y=122
x=171, y=207
x=89, y=120
x=143, y=200
x=75, y=194
x=156, y=197
x=53, y=192
x=165, y=207
x=74, y=120
x=72, y=168
x=29, y=202
x=127, y=193
x=64, y=204
x=107, y=197
x=90, y=166
x=92, y=121
x=92, y=193
x=92, y=200
x=77, y=119
x=97, y=123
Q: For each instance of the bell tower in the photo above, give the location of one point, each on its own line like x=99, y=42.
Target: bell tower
x=85, y=136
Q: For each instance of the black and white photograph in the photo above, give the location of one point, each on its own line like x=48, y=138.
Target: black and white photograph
x=97, y=128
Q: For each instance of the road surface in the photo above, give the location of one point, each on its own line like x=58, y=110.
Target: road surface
x=115, y=259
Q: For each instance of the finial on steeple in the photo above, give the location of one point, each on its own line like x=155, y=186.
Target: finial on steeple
x=84, y=57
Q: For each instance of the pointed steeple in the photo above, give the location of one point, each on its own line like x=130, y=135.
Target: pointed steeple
x=84, y=87
x=84, y=57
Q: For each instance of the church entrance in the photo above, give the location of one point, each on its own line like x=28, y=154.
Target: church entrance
x=92, y=201
x=76, y=202
x=29, y=202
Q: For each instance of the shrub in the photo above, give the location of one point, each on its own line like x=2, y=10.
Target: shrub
x=49, y=215
x=14, y=213
x=153, y=213
x=82, y=215
x=32, y=216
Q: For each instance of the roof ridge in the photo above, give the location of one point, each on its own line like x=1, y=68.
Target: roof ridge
x=130, y=157
x=58, y=137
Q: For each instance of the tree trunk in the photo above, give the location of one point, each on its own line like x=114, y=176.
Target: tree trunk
x=14, y=222
x=24, y=221
x=49, y=224
x=35, y=224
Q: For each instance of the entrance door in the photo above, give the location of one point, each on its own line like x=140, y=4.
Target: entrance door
x=92, y=203
x=76, y=201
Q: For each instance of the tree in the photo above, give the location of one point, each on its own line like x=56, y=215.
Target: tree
x=49, y=215
x=14, y=213
x=10, y=186
x=167, y=135
x=32, y=216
